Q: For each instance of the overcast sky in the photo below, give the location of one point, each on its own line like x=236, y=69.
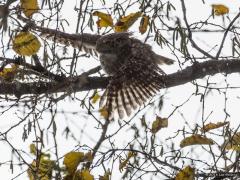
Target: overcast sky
x=192, y=111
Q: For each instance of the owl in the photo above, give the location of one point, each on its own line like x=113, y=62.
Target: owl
x=133, y=67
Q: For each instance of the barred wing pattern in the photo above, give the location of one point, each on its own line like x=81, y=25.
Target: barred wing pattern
x=131, y=86
x=131, y=65
x=84, y=42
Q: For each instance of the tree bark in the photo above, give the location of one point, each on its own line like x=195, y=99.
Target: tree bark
x=84, y=83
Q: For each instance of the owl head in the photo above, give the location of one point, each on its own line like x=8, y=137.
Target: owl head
x=113, y=43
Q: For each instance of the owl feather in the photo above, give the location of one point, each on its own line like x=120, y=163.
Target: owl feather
x=132, y=66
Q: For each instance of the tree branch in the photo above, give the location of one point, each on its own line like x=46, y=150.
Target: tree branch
x=83, y=82
x=225, y=35
x=190, y=33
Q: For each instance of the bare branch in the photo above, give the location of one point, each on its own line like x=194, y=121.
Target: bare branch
x=83, y=82
x=190, y=33
x=225, y=35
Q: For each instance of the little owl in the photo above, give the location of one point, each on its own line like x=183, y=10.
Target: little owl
x=132, y=66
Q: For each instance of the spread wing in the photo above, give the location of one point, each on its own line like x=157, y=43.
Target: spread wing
x=131, y=86
x=85, y=42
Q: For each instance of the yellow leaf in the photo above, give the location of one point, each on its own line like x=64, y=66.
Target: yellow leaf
x=105, y=20
x=29, y=7
x=234, y=142
x=95, y=98
x=33, y=149
x=26, y=44
x=72, y=160
x=211, y=126
x=125, y=22
x=88, y=156
x=103, y=112
x=85, y=175
x=186, y=174
x=124, y=163
x=220, y=9
x=158, y=124
x=8, y=74
x=43, y=169
x=131, y=154
x=233, y=147
x=144, y=24
x=106, y=176
x=143, y=122
x=70, y=177
x=195, y=139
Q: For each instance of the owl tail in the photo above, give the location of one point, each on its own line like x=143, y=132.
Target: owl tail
x=126, y=92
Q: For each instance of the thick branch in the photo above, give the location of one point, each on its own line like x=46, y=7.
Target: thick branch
x=82, y=82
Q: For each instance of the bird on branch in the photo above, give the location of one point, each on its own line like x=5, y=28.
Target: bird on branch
x=131, y=64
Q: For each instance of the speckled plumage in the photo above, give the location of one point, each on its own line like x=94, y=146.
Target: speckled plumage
x=132, y=66
x=134, y=71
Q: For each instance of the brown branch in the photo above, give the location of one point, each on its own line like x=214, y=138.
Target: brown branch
x=37, y=68
x=190, y=33
x=225, y=34
x=83, y=82
x=99, y=142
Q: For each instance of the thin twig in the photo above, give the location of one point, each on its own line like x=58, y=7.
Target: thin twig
x=225, y=34
x=190, y=33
